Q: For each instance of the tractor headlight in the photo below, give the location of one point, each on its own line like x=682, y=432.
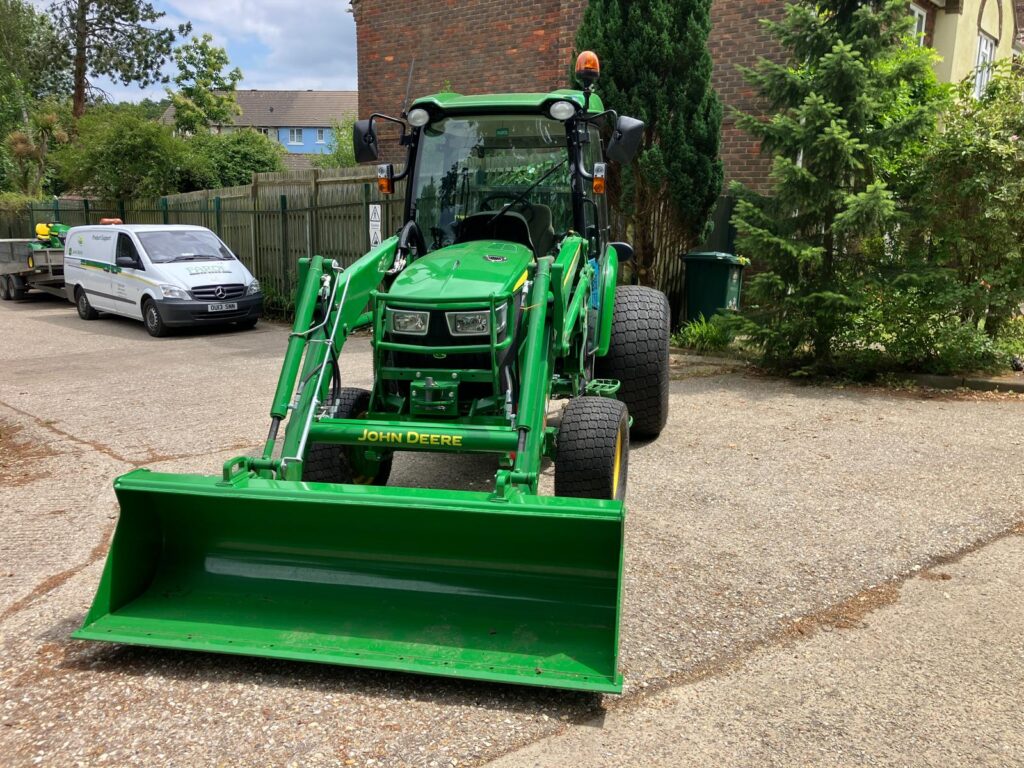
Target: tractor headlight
x=253, y=288
x=174, y=292
x=476, y=323
x=408, y=322
x=418, y=117
x=562, y=110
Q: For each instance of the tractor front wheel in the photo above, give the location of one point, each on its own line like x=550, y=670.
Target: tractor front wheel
x=593, y=449
x=638, y=356
x=327, y=463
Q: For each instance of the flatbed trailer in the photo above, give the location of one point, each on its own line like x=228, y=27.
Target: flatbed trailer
x=24, y=268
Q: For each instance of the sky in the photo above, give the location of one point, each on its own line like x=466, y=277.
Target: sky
x=278, y=44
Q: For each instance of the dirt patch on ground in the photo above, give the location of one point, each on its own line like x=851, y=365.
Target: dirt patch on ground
x=19, y=455
x=848, y=614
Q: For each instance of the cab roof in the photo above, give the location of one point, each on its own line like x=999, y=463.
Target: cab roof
x=455, y=103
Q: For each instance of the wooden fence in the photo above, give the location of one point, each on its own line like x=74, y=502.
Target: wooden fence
x=269, y=224
x=282, y=217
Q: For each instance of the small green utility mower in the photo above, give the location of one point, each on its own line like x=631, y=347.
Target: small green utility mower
x=496, y=296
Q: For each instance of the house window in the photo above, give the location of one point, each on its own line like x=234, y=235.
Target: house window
x=264, y=131
x=320, y=133
x=920, y=22
x=986, y=57
x=294, y=135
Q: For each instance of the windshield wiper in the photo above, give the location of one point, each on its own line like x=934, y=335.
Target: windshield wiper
x=522, y=196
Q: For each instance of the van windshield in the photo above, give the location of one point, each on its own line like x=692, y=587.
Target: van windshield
x=184, y=245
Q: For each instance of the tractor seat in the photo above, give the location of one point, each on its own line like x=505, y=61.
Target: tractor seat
x=542, y=234
x=536, y=234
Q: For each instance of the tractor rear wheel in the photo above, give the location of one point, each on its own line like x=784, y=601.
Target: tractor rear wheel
x=327, y=463
x=593, y=449
x=5, y=289
x=638, y=357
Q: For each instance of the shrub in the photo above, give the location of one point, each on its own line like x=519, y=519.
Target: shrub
x=234, y=157
x=705, y=335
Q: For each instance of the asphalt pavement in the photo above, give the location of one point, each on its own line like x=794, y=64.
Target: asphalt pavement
x=763, y=509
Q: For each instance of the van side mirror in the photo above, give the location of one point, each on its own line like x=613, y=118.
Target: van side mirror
x=626, y=138
x=364, y=141
x=126, y=261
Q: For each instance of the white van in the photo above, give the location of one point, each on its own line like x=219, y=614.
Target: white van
x=167, y=275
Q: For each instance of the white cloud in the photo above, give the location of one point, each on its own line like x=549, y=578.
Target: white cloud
x=312, y=45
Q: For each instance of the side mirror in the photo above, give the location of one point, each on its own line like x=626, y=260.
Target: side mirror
x=624, y=251
x=364, y=141
x=626, y=138
x=126, y=261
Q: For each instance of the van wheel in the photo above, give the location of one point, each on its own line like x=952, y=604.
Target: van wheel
x=5, y=289
x=85, y=310
x=249, y=324
x=151, y=317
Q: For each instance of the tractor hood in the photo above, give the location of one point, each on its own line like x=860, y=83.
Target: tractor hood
x=465, y=271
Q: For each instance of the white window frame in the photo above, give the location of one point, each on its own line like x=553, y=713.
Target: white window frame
x=920, y=22
x=986, y=58
x=264, y=131
x=321, y=135
x=292, y=133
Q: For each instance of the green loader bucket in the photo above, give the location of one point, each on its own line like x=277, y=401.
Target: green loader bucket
x=436, y=582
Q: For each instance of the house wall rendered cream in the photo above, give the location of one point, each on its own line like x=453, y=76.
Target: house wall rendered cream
x=956, y=36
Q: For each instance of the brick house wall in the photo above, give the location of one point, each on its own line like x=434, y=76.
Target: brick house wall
x=484, y=46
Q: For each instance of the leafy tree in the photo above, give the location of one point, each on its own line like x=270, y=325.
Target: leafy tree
x=32, y=65
x=655, y=66
x=856, y=92
x=114, y=38
x=152, y=109
x=968, y=200
x=206, y=94
x=234, y=157
x=119, y=154
x=340, y=152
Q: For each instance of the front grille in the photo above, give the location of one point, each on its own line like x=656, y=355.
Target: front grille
x=209, y=292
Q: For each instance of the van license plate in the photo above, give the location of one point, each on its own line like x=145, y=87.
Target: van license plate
x=222, y=307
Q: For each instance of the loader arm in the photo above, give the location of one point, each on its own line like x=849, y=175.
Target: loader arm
x=294, y=554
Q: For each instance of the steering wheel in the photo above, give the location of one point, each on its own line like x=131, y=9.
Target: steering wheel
x=523, y=207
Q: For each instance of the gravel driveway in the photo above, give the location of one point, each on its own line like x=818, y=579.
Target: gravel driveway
x=763, y=502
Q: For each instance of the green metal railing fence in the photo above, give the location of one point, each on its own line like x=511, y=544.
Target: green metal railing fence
x=269, y=224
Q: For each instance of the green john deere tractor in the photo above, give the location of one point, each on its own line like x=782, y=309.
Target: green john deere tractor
x=496, y=296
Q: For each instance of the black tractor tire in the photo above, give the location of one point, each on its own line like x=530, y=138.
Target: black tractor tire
x=5, y=288
x=85, y=310
x=16, y=287
x=152, y=319
x=638, y=357
x=592, y=461
x=327, y=463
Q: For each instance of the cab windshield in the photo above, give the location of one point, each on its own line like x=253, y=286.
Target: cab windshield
x=184, y=245
x=465, y=165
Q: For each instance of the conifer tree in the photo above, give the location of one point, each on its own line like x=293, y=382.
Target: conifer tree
x=855, y=92
x=655, y=66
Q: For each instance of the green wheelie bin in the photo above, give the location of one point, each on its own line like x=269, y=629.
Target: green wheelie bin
x=713, y=282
